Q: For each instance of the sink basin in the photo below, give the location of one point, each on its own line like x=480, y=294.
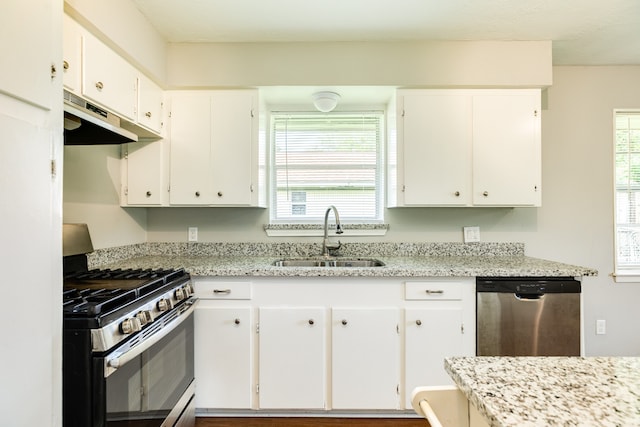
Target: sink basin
x=328, y=263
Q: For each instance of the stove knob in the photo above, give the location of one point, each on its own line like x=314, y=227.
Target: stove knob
x=188, y=288
x=180, y=294
x=131, y=325
x=145, y=317
x=165, y=304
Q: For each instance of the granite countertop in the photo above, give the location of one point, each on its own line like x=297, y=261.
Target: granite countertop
x=401, y=260
x=551, y=391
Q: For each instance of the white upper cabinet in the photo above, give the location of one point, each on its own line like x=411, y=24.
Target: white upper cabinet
x=108, y=79
x=150, y=103
x=214, y=148
x=143, y=173
x=506, y=148
x=437, y=148
x=29, y=74
x=191, y=166
x=458, y=147
x=71, y=55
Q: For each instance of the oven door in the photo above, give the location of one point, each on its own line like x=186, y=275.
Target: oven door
x=151, y=385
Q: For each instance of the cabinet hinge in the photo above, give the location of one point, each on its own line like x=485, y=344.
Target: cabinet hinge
x=257, y=328
x=257, y=388
x=462, y=328
x=403, y=188
x=397, y=329
x=398, y=389
x=535, y=113
x=252, y=112
x=126, y=191
x=53, y=168
x=251, y=188
x=402, y=113
x=53, y=71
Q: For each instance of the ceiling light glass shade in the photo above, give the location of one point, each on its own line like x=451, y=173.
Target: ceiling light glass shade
x=325, y=101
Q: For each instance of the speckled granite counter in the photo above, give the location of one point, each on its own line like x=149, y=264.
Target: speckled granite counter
x=401, y=260
x=551, y=391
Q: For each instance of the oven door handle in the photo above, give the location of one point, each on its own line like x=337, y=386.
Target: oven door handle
x=115, y=360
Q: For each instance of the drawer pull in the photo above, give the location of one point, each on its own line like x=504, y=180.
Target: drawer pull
x=344, y=322
x=311, y=322
x=418, y=322
x=237, y=321
x=222, y=291
x=436, y=292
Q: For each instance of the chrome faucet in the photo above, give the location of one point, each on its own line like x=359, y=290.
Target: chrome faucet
x=325, y=241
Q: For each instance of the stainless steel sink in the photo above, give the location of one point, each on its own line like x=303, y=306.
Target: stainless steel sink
x=328, y=263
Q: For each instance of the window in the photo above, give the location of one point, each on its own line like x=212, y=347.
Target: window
x=627, y=192
x=326, y=159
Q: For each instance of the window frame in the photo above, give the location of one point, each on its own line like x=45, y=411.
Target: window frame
x=361, y=226
x=623, y=272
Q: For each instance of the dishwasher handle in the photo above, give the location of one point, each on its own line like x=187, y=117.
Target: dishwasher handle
x=528, y=297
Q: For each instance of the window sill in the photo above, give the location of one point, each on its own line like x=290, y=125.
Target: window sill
x=627, y=276
x=279, y=230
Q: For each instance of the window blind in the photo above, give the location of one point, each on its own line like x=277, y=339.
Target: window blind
x=326, y=159
x=627, y=183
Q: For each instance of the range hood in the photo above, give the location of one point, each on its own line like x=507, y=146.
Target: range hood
x=88, y=124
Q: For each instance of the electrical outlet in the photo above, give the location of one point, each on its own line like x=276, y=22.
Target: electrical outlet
x=471, y=234
x=193, y=234
x=601, y=327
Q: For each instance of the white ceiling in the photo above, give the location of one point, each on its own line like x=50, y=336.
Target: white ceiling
x=584, y=32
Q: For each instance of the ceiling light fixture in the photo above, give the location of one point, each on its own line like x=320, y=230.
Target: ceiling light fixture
x=325, y=101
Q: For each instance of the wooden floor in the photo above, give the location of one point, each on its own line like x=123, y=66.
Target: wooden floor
x=309, y=422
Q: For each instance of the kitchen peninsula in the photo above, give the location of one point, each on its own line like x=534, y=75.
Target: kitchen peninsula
x=550, y=391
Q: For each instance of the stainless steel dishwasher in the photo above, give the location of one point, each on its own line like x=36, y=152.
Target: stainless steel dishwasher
x=528, y=316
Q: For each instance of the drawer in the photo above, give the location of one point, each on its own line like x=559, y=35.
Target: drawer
x=433, y=290
x=209, y=289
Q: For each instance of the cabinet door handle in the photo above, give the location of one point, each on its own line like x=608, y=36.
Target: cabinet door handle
x=236, y=321
x=344, y=322
x=311, y=321
x=485, y=194
x=222, y=291
x=148, y=193
x=436, y=292
x=457, y=194
x=418, y=322
x=65, y=65
x=197, y=194
x=148, y=114
x=99, y=85
x=219, y=193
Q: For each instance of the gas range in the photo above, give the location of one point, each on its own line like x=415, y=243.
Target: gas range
x=116, y=304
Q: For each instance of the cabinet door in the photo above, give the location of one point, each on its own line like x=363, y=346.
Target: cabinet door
x=191, y=169
x=108, y=79
x=71, y=54
x=150, y=104
x=431, y=334
x=233, y=147
x=144, y=163
x=365, y=358
x=27, y=49
x=506, y=148
x=436, y=132
x=292, y=358
x=223, y=357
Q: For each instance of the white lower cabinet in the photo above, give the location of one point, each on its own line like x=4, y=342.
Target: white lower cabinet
x=320, y=344
x=365, y=358
x=292, y=358
x=223, y=356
